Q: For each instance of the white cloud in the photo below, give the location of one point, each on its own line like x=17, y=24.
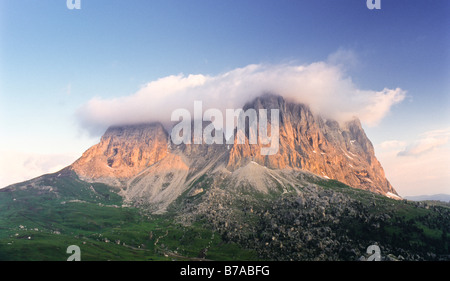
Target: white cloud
x=324, y=86
x=428, y=172
x=437, y=133
x=431, y=140
x=18, y=166
x=392, y=144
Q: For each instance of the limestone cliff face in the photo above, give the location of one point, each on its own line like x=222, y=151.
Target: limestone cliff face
x=149, y=169
x=123, y=152
x=323, y=147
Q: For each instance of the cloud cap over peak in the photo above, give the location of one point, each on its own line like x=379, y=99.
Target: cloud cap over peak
x=323, y=86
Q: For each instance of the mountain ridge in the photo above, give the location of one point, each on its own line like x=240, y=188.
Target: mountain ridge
x=137, y=196
x=437, y=197
x=147, y=166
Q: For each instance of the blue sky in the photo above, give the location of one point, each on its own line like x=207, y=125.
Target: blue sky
x=54, y=60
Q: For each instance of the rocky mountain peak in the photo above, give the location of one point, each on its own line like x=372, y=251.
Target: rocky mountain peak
x=142, y=160
x=123, y=152
x=324, y=147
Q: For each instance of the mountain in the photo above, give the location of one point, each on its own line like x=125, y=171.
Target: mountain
x=323, y=147
x=434, y=197
x=122, y=153
x=149, y=169
x=138, y=196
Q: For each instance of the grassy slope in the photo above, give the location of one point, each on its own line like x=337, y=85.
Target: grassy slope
x=39, y=224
